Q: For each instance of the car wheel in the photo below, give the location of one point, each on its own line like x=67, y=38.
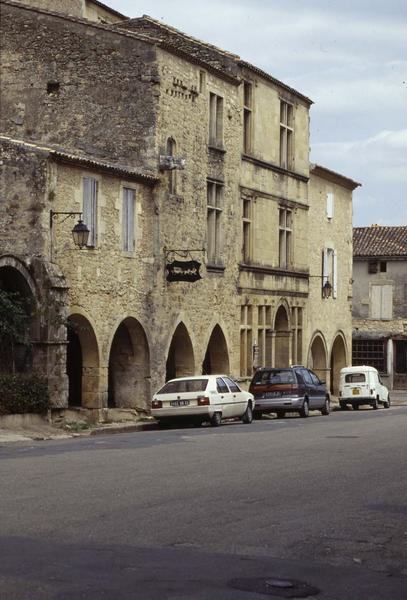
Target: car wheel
x=216, y=419
x=342, y=405
x=386, y=403
x=355, y=406
x=281, y=414
x=327, y=408
x=257, y=414
x=304, y=410
x=375, y=404
x=248, y=415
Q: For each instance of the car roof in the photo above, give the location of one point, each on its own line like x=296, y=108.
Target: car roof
x=357, y=369
x=185, y=378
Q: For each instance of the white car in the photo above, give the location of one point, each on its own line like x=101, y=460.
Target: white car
x=362, y=385
x=202, y=398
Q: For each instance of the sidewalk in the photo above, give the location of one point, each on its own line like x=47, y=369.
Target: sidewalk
x=45, y=431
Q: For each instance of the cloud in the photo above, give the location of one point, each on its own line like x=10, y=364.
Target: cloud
x=383, y=156
x=348, y=56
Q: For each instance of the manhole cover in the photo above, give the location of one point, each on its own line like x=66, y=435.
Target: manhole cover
x=274, y=586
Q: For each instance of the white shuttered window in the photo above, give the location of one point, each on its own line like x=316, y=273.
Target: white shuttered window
x=90, y=208
x=381, y=305
x=128, y=219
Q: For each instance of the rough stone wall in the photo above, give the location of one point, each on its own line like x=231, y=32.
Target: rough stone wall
x=23, y=223
x=183, y=216
x=76, y=8
x=107, y=284
x=25, y=247
x=331, y=315
x=266, y=124
x=73, y=8
x=77, y=85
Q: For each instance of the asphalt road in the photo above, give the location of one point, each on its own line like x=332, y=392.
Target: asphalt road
x=211, y=514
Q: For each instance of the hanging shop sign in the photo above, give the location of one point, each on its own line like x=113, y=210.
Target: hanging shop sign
x=183, y=270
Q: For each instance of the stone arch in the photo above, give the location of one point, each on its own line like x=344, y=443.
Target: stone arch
x=83, y=363
x=339, y=359
x=129, y=366
x=16, y=279
x=282, y=332
x=180, y=357
x=318, y=355
x=217, y=356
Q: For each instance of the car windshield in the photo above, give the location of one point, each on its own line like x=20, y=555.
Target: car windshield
x=184, y=385
x=355, y=378
x=273, y=377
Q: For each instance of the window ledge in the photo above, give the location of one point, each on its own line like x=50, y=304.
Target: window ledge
x=215, y=268
x=268, y=270
x=220, y=149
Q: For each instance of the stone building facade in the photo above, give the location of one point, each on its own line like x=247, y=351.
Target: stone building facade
x=380, y=301
x=171, y=149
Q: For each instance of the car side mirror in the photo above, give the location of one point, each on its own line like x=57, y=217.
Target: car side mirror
x=322, y=381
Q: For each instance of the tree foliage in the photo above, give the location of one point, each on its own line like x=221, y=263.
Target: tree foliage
x=14, y=322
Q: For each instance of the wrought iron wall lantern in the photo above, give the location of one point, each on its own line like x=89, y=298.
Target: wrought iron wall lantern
x=80, y=231
x=326, y=288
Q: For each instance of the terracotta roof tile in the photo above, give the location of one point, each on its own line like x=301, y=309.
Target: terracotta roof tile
x=380, y=241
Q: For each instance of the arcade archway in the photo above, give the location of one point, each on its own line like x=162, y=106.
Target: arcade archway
x=82, y=363
x=318, y=357
x=282, y=343
x=129, y=367
x=180, y=360
x=216, y=358
x=338, y=361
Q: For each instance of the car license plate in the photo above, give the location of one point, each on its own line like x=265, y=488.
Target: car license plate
x=355, y=391
x=179, y=402
x=272, y=394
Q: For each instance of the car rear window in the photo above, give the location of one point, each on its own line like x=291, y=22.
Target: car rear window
x=355, y=378
x=273, y=377
x=184, y=385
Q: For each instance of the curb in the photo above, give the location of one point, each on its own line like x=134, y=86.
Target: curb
x=106, y=429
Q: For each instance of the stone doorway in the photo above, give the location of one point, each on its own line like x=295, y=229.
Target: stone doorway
x=216, y=358
x=180, y=360
x=129, y=367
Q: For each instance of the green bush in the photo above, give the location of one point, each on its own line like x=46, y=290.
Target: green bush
x=21, y=393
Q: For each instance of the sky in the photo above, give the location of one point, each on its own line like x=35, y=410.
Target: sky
x=348, y=56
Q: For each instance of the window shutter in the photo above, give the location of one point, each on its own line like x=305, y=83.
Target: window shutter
x=376, y=301
x=335, y=275
x=128, y=220
x=387, y=302
x=329, y=205
x=90, y=208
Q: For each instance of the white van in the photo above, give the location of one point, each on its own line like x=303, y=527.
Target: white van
x=362, y=385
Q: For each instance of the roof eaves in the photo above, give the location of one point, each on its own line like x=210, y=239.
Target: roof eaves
x=85, y=161
x=269, y=77
x=326, y=173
